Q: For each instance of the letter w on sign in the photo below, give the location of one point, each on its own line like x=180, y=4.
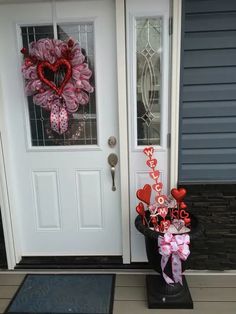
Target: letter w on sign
x=149, y=151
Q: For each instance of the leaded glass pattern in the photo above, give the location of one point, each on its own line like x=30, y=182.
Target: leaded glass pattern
x=82, y=129
x=149, y=77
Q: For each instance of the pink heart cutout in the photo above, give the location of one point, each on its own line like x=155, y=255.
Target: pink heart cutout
x=151, y=163
x=148, y=151
x=162, y=211
x=154, y=174
x=160, y=199
x=157, y=187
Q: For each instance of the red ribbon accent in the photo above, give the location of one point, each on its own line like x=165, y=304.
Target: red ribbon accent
x=54, y=68
x=59, y=119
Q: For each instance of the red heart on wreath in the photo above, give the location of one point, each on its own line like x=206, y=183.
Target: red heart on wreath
x=144, y=194
x=55, y=68
x=178, y=194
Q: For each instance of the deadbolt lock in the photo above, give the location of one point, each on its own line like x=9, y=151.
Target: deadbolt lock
x=112, y=141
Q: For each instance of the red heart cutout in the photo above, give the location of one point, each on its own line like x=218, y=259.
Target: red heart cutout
x=151, y=163
x=154, y=221
x=156, y=228
x=174, y=214
x=144, y=194
x=148, y=151
x=183, y=214
x=178, y=194
x=162, y=211
x=182, y=205
x=157, y=187
x=164, y=225
x=54, y=68
x=187, y=221
x=140, y=209
x=154, y=174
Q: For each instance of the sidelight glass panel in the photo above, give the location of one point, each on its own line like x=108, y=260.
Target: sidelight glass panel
x=82, y=128
x=149, y=77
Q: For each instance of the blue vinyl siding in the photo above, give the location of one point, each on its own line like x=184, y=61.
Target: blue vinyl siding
x=208, y=92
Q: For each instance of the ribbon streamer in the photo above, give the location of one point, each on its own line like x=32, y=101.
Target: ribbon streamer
x=175, y=247
x=59, y=119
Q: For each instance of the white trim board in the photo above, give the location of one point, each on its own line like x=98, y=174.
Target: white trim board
x=175, y=89
x=123, y=127
x=4, y=197
x=5, y=212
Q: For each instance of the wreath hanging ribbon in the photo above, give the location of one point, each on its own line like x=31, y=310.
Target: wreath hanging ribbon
x=66, y=60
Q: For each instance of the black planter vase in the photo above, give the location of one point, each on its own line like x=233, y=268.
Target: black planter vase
x=161, y=295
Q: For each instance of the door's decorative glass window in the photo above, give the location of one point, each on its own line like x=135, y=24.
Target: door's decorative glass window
x=149, y=77
x=81, y=129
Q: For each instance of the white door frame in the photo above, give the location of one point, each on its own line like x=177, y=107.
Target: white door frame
x=175, y=89
x=8, y=223
x=123, y=128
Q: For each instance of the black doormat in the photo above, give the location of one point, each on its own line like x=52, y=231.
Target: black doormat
x=62, y=294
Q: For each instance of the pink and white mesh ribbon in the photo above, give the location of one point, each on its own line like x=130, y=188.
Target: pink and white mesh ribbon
x=59, y=119
x=175, y=247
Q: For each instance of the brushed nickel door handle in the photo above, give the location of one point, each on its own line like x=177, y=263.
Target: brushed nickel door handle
x=113, y=160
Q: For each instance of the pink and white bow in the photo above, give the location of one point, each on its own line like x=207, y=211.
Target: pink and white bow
x=175, y=247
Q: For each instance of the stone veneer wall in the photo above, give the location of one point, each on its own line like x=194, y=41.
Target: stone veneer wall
x=215, y=207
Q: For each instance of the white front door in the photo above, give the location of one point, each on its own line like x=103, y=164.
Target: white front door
x=60, y=187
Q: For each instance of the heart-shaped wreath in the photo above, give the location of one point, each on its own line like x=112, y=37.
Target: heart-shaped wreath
x=57, y=77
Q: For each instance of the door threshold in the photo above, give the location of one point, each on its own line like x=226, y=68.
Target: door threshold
x=77, y=262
